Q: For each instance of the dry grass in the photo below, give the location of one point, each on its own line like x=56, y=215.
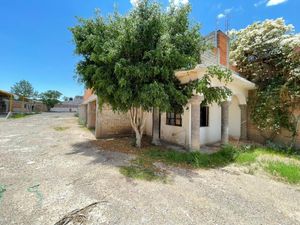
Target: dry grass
x=251, y=157
x=123, y=144
x=61, y=128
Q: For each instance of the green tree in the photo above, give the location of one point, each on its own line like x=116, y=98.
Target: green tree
x=50, y=98
x=266, y=53
x=130, y=61
x=24, y=89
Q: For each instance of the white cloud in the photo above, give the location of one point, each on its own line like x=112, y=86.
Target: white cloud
x=269, y=2
x=224, y=13
x=221, y=15
x=227, y=11
x=179, y=2
x=260, y=3
x=275, y=2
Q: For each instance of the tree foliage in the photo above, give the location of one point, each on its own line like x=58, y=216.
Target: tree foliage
x=24, y=88
x=130, y=61
x=50, y=98
x=267, y=53
x=211, y=93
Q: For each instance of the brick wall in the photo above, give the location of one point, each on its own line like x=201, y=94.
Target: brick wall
x=219, y=54
x=209, y=58
x=113, y=123
x=223, y=45
x=87, y=94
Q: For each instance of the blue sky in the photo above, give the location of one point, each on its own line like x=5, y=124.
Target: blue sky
x=36, y=45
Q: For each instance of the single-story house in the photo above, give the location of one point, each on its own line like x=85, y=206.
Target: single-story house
x=13, y=103
x=199, y=124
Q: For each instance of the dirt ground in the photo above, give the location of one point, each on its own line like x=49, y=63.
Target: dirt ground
x=49, y=168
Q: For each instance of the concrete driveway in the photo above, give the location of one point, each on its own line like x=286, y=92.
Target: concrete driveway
x=48, y=169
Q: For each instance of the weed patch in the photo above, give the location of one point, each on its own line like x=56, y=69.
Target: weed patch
x=143, y=166
x=143, y=169
x=253, y=158
x=61, y=128
x=2, y=190
x=287, y=171
x=247, y=158
x=194, y=159
x=19, y=115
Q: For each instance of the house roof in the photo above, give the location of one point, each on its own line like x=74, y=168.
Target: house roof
x=5, y=93
x=92, y=98
x=17, y=97
x=201, y=70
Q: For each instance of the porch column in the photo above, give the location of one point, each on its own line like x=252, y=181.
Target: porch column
x=155, y=126
x=225, y=122
x=90, y=115
x=243, y=108
x=195, y=123
x=98, y=127
x=83, y=114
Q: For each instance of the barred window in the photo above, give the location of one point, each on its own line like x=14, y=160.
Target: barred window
x=174, y=119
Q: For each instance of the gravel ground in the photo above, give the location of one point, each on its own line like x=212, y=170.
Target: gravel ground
x=46, y=173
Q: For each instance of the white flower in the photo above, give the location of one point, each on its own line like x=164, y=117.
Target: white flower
x=134, y=2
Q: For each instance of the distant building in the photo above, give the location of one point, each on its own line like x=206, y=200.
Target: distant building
x=13, y=103
x=68, y=106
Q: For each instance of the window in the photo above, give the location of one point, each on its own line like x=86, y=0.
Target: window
x=174, y=119
x=204, y=116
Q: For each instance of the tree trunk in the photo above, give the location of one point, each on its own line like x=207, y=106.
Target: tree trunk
x=138, y=120
x=155, y=127
x=138, y=140
x=295, y=133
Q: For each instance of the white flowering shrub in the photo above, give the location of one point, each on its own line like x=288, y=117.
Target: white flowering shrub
x=268, y=53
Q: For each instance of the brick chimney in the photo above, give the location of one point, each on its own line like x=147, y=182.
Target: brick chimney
x=222, y=48
x=87, y=93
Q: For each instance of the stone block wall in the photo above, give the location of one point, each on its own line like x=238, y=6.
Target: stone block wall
x=111, y=124
x=284, y=137
x=217, y=55
x=208, y=58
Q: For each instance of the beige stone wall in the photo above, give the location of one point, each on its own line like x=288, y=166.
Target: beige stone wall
x=82, y=114
x=40, y=107
x=110, y=124
x=283, y=138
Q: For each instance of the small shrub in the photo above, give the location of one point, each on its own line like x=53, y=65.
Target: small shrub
x=282, y=148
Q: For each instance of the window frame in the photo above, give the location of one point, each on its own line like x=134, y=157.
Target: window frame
x=172, y=119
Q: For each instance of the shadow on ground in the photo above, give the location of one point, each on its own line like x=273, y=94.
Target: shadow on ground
x=119, y=152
